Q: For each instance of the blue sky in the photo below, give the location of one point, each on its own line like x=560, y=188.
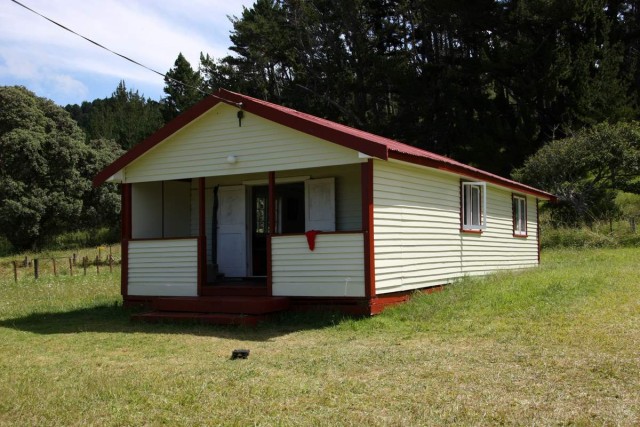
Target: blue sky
x=67, y=69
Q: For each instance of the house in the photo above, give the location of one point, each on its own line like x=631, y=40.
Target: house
x=241, y=206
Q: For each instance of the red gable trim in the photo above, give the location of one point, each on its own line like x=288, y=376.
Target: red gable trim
x=471, y=172
x=315, y=126
x=364, y=142
x=163, y=133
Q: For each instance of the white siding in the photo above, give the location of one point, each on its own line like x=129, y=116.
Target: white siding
x=335, y=268
x=163, y=267
x=201, y=149
x=417, y=236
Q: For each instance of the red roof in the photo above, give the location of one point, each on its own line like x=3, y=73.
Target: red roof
x=364, y=142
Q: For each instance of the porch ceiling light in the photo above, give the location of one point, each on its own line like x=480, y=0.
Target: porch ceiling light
x=232, y=159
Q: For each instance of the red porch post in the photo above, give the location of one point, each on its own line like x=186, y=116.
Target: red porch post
x=202, y=238
x=272, y=229
x=125, y=236
x=366, y=178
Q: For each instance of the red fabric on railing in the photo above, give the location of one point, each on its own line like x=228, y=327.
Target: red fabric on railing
x=311, y=238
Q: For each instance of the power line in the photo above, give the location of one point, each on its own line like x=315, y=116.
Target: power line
x=239, y=105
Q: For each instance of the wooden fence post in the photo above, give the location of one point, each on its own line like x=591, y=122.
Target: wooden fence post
x=98, y=264
x=75, y=258
x=84, y=265
x=55, y=270
x=15, y=271
x=36, y=267
x=110, y=260
x=70, y=267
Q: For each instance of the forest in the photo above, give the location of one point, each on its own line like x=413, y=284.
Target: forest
x=545, y=91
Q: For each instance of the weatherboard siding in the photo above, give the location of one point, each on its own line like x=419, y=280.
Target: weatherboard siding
x=163, y=267
x=201, y=148
x=417, y=236
x=335, y=268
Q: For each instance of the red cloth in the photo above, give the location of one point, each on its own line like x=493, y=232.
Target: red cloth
x=311, y=238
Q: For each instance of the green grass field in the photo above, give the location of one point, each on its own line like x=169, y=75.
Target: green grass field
x=556, y=345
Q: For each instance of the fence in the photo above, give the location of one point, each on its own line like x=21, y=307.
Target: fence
x=105, y=259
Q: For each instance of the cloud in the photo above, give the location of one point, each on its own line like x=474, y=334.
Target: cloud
x=152, y=33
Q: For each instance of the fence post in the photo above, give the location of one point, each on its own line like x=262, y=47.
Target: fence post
x=98, y=264
x=36, y=269
x=70, y=267
x=75, y=258
x=84, y=265
x=15, y=271
x=110, y=260
x=55, y=270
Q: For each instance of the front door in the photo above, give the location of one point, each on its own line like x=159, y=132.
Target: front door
x=232, y=240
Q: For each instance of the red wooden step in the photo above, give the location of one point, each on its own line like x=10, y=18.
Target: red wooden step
x=247, y=305
x=234, y=290
x=209, y=318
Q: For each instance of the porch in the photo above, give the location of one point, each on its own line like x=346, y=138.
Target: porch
x=240, y=245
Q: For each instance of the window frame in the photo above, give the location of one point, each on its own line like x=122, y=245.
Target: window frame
x=519, y=215
x=476, y=209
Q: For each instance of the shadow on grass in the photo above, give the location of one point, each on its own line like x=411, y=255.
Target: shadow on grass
x=116, y=319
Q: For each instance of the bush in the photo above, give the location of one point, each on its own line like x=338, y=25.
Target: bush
x=601, y=235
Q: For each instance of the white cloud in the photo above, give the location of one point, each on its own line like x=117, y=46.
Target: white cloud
x=152, y=33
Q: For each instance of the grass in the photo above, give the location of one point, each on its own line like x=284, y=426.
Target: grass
x=553, y=345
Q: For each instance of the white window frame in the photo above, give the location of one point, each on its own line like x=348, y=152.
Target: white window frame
x=519, y=206
x=474, y=206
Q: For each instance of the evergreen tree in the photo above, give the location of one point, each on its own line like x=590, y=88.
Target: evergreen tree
x=182, y=86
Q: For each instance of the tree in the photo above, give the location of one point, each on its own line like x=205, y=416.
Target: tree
x=586, y=171
x=182, y=86
x=126, y=116
x=485, y=82
x=45, y=170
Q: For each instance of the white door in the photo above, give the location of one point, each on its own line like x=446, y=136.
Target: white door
x=320, y=204
x=232, y=238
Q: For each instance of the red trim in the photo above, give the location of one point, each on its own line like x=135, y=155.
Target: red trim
x=364, y=142
x=319, y=232
x=272, y=229
x=161, y=238
x=366, y=180
x=470, y=172
x=470, y=231
x=538, y=228
x=125, y=230
x=167, y=130
x=202, y=237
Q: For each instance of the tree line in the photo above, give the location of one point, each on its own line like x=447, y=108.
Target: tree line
x=489, y=83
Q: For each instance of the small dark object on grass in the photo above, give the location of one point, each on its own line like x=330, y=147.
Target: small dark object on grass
x=239, y=354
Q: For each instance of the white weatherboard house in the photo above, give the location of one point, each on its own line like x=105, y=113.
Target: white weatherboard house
x=240, y=207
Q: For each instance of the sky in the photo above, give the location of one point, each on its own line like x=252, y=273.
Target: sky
x=58, y=65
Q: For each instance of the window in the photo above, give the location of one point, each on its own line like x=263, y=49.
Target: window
x=519, y=216
x=474, y=206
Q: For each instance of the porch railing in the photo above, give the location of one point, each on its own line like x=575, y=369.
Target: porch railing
x=163, y=267
x=335, y=268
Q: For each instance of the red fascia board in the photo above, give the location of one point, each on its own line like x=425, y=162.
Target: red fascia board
x=164, y=132
x=314, y=126
x=471, y=172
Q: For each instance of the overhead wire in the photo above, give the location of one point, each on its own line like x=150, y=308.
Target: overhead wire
x=237, y=104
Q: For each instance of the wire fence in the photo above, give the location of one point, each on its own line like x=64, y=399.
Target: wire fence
x=101, y=260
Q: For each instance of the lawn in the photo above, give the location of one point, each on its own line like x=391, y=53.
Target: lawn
x=554, y=345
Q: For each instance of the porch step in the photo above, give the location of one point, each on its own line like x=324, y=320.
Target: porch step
x=234, y=290
x=208, y=318
x=239, y=305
